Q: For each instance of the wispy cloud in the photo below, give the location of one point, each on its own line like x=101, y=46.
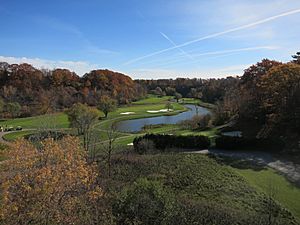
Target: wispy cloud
x=80, y=67
x=71, y=29
x=250, y=25
x=56, y=24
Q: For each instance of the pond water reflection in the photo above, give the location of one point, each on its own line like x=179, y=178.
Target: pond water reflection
x=137, y=124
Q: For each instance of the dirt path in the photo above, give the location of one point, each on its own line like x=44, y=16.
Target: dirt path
x=289, y=169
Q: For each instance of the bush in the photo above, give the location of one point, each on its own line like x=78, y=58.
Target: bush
x=37, y=137
x=145, y=203
x=210, y=213
x=234, y=143
x=144, y=146
x=197, y=122
x=163, y=142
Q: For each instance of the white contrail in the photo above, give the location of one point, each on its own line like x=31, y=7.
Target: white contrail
x=216, y=35
x=170, y=62
x=236, y=50
x=179, y=58
x=173, y=43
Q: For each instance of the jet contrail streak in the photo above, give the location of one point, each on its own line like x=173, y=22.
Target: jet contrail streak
x=217, y=34
x=180, y=57
x=173, y=43
x=218, y=53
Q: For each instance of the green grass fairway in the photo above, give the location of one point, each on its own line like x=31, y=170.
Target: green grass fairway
x=15, y=135
x=189, y=101
x=286, y=193
x=153, y=99
x=56, y=120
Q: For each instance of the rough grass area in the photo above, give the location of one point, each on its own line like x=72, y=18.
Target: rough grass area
x=3, y=147
x=196, y=178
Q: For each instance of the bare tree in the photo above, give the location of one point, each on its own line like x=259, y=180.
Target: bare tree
x=83, y=118
x=112, y=135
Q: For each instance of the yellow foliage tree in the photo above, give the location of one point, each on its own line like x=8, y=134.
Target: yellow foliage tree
x=49, y=184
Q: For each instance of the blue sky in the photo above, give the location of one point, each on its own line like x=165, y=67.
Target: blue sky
x=149, y=39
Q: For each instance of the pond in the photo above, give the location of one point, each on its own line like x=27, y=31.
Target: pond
x=136, y=125
x=233, y=133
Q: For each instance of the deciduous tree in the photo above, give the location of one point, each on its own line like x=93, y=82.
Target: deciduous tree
x=13, y=108
x=82, y=118
x=178, y=96
x=52, y=184
x=107, y=105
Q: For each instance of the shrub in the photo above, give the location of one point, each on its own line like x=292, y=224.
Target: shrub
x=37, y=137
x=234, y=143
x=147, y=202
x=144, y=146
x=196, y=122
x=163, y=142
x=210, y=213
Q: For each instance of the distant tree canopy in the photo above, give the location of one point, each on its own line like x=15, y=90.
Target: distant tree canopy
x=210, y=90
x=41, y=91
x=266, y=102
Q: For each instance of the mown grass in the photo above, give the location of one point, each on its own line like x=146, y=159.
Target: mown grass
x=153, y=99
x=284, y=192
x=56, y=120
x=190, y=101
x=15, y=135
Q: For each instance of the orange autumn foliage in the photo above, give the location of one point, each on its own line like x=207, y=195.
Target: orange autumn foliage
x=49, y=184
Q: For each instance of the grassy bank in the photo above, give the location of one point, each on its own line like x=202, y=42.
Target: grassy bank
x=287, y=194
x=194, y=178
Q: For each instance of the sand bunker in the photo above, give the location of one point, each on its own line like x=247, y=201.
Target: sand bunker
x=158, y=111
x=127, y=113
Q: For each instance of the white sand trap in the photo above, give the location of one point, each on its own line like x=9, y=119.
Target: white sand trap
x=158, y=111
x=127, y=113
x=130, y=144
x=166, y=110
x=153, y=111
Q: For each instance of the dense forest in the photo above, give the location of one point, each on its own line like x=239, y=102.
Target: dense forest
x=27, y=91
x=208, y=90
x=266, y=102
